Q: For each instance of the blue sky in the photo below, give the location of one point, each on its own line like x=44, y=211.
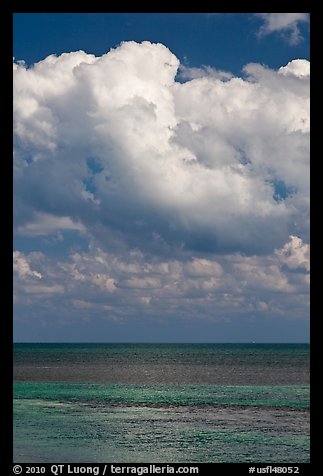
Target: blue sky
x=225, y=41
x=161, y=177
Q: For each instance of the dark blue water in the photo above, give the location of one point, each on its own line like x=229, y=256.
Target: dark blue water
x=161, y=403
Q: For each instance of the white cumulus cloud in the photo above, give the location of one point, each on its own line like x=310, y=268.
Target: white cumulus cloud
x=114, y=145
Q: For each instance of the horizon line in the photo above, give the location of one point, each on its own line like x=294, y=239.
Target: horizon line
x=153, y=342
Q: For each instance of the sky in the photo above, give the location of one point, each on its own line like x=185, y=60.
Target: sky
x=161, y=177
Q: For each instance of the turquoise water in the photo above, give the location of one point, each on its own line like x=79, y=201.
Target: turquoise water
x=290, y=396
x=161, y=403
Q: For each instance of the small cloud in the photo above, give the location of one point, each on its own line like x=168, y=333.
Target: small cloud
x=81, y=304
x=42, y=289
x=103, y=281
x=285, y=23
x=186, y=73
x=46, y=224
x=295, y=254
x=262, y=306
x=22, y=267
x=203, y=267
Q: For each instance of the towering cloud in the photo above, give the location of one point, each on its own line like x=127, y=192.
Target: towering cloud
x=116, y=145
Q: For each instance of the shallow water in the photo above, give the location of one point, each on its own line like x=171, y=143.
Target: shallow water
x=161, y=403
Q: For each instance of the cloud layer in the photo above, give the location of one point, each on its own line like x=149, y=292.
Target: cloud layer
x=119, y=288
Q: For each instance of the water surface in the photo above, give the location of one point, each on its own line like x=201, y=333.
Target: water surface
x=161, y=403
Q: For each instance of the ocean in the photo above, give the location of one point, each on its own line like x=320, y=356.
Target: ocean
x=161, y=403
